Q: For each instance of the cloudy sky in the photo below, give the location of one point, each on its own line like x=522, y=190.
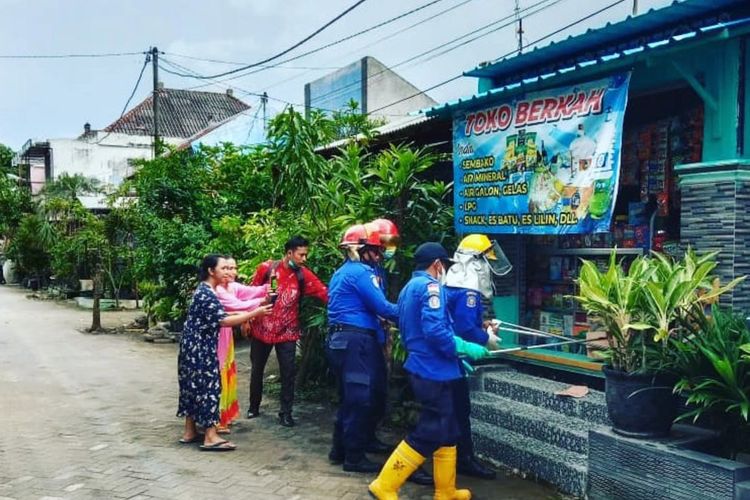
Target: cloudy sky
x=49, y=98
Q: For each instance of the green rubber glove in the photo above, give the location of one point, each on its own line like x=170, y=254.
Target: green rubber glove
x=470, y=349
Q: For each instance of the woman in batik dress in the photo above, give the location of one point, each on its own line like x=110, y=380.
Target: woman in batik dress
x=198, y=363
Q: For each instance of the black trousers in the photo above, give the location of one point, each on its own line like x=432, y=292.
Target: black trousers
x=285, y=353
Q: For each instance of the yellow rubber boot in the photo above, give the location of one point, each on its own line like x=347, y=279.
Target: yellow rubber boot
x=444, y=470
x=403, y=461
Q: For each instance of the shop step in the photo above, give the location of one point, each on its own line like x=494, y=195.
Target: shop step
x=565, y=469
x=556, y=429
x=540, y=392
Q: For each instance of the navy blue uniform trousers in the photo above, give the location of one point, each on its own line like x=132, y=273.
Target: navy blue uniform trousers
x=437, y=425
x=462, y=405
x=358, y=362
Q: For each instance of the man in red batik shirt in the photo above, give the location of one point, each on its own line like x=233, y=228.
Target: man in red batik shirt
x=280, y=328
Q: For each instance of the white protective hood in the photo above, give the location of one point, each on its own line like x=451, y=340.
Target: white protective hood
x=470, y=270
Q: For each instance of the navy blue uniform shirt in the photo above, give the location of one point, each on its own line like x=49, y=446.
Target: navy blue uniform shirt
x=465, y=309
x=355, y=297
x=426, y=329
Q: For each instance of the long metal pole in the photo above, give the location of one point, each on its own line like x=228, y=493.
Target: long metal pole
x=155, y=67
x=543, y=346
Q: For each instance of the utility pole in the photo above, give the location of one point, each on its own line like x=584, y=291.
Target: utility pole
x=635, y=7
x=519, y=31
x=263, y=104
x=155, y=68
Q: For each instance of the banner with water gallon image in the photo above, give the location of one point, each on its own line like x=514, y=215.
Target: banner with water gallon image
x=544, y=163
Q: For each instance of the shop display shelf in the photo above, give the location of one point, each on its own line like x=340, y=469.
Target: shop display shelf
x=568, y=282
x=558, y=309
x=590, y=251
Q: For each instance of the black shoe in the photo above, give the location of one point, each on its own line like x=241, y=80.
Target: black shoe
x=379, y=447
x=421, y=477
x=286, y=420
x=336, y=457
x=364, y=465
x=253, y=413
x=470, y=466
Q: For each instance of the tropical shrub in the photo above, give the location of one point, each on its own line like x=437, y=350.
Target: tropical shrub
x=647, y=305
x=713, y=361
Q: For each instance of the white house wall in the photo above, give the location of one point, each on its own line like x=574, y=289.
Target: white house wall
x=109, y=161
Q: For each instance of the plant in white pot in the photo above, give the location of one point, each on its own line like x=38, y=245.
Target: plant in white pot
x=641, y=309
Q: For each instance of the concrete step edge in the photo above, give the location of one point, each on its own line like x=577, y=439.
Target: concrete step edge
x=564, y=469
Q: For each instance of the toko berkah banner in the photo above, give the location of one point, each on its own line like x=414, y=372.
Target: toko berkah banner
x=543, y=163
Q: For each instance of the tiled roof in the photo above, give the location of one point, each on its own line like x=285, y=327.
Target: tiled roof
x=182, y=113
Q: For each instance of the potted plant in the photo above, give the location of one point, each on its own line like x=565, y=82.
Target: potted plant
x=713, y=361
x=642, y=310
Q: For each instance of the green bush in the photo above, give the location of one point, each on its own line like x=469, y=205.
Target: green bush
x=713, y=362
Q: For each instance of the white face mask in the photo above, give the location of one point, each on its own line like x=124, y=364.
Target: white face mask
x=441, y=274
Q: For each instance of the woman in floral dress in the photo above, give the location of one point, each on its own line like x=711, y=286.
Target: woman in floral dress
x=198, y=363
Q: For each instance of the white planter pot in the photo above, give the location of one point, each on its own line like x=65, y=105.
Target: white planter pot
x=9, y=272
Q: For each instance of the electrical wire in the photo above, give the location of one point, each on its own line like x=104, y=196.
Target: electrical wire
x=283, y=52
x=244, y=91
x=452, y=79
x=235, y=63
x=346, y=88
x=130, y=98
x=70, y=56
x=341, y=40
x=402, y=30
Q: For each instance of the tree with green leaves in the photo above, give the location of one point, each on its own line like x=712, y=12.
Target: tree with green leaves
x=6, y=160
x=248, y=201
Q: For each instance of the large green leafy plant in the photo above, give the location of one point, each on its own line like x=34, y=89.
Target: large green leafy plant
x=713, y=362
x=645, y=306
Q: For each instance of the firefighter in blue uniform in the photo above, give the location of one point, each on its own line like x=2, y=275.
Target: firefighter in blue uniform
x=355, y=305
x=433, y=364
x=389, y=239
x=477, y=260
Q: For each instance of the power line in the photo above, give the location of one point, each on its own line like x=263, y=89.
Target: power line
x=452, y=79
x=382, y=39
x=235, y=63
x=283, y=52
x=70, y=56
x=336, y=42
x=244, y=91
x=349, y=86
x=132, y=94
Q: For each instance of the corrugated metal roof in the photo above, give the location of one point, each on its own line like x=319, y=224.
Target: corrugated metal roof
x=615, y=53
x=383, y=130
x=182, y=113
x=680, y=17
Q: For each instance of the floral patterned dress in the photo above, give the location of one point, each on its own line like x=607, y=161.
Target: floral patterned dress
x=198, y=364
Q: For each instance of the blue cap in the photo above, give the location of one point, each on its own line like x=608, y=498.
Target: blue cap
x=427, y=252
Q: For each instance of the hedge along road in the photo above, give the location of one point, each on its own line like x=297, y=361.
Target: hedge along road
x=92, y=416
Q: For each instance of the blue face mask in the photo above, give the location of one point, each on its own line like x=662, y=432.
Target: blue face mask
x=389, y=254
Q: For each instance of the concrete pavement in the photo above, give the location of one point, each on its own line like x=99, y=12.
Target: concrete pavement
x=92, y=416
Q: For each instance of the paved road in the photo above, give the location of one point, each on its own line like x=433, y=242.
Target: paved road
x=92, y=416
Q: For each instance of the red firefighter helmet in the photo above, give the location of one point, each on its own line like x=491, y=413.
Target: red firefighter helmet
x=360, y=234
x=389, y=236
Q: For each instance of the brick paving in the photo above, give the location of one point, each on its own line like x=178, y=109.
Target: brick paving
x=92, y=416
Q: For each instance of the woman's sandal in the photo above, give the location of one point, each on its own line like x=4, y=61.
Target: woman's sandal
x=219, y=446
x=198, y=438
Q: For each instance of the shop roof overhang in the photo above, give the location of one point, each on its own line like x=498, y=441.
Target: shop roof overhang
x=681, y=17
x=615, y=58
